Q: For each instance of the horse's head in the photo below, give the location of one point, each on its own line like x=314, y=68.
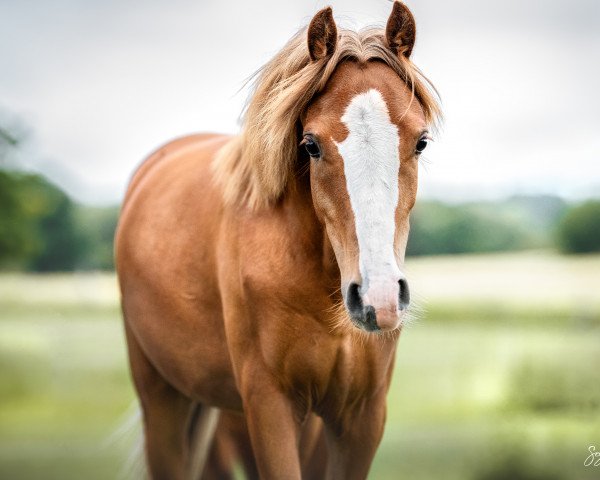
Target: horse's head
x=364, y=133
x=360, y=110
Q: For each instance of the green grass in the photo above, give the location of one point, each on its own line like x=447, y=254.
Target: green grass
x=461, y=393
x=63, y=378
x=499, y=379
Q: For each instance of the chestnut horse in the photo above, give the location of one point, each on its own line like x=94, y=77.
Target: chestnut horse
x=262, y=273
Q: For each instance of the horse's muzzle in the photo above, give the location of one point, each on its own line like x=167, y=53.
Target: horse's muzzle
x=380, y=308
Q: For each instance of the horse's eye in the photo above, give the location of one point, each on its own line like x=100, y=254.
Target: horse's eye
x=421, y=145
x=311, y=146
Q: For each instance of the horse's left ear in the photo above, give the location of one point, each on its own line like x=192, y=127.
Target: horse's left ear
x=400, y=31
x=322, y=35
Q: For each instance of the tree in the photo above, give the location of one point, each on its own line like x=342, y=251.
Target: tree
x=37, y=225
x=437, y=228
x=579, y=229
x=97, y=226
x=17, y=236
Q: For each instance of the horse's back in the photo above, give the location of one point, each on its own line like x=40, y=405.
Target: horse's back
x=200, y=141
x=166, y=257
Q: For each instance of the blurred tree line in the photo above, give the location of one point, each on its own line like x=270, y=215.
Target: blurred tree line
x=579, y=230
x=517, y=223
x=42, y=229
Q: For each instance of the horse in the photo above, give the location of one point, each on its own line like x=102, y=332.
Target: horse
x=261, y=275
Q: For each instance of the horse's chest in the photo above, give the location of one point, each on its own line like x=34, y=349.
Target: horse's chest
x=326, y=372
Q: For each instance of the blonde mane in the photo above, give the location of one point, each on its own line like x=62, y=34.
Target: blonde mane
x=254, y=168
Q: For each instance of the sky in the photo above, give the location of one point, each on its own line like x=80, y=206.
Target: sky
x=99, y=84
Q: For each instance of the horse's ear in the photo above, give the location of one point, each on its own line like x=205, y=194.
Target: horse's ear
x=322, y=35
x=400, y=31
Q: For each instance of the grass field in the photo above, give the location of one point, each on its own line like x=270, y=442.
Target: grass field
x=499, y=379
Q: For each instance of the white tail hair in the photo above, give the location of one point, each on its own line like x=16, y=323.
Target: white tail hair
x=128, y=435
x=202, y=439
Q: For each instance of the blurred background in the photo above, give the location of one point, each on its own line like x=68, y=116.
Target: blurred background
x=500, y=376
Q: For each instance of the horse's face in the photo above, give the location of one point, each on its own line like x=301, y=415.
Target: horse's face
x=364, y=137
x=364, y=134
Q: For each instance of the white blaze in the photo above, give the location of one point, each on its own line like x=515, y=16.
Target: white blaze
x=371, y=166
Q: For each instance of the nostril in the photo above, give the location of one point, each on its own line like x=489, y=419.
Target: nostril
x=404, y=295
x=353, y=300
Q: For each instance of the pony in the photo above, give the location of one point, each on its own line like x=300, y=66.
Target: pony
x=261, y=275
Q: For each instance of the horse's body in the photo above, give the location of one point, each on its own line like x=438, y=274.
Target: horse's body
x=176, y=301
x=230, y=306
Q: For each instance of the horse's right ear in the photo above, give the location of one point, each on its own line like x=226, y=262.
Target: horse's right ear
x=400, y=31
x=322, y=35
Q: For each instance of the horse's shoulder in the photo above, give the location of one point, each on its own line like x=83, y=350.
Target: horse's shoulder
x=170, y=206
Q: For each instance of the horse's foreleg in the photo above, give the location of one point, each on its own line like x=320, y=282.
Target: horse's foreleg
x=274, y=429
x=166, y=415
x=352, y=446
x=313, y=449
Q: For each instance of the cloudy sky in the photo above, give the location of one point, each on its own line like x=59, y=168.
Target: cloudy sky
x=100, y=84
